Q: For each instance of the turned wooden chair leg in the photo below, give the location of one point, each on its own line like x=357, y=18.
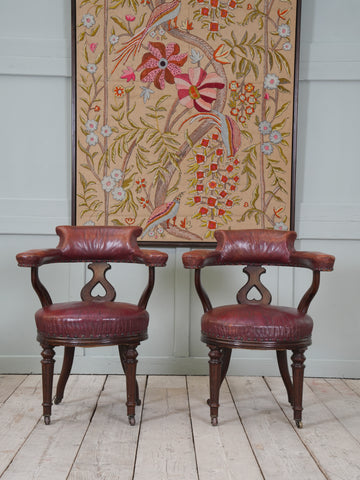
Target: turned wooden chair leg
x=298, y=359
x=47, y=364
x=131, y=390
x=215, y=370
x=65, y=373
x=285, y=375
x=122, y=353
x=225, y=361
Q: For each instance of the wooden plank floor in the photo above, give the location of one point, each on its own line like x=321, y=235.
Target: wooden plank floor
x=90, y=438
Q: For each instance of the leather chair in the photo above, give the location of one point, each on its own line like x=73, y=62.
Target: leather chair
x=96, y=320
x=254, y=323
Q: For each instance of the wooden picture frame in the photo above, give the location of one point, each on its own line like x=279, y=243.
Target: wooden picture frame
x=184, y=115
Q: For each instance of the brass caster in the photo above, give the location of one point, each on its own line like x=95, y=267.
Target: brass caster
x=299, y=423
x=47, y=419
x=132, y=420
x=214, y=421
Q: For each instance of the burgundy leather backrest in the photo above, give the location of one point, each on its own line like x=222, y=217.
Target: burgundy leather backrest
x=255, y=246
x=99, y=243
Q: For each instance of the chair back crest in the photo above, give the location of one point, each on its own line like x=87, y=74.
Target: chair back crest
x=99, y=243
x=256, y=247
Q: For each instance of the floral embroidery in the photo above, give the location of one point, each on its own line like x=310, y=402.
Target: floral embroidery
x=106, y=131
x=91, y=125
x=118, y=193
x=161, y=64
x=108, y=183
x=119, y=91
x=271, y=81
x=198, y=89
x=114, y=39
x=284, y=30
x=91, y=68
x=88, y=20
x=92, y=139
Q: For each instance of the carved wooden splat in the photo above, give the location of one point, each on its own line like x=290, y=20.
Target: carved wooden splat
x=254, y=273
x=99, y=270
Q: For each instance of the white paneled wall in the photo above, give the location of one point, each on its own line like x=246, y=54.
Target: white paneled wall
x=35, y=196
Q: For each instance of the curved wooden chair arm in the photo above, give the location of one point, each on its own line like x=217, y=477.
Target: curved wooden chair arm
x=39, y=288
x=313, y=260
x=204, y=298
x=200, y=258
x=36, y=258
x=148, y=289
x=310, y=293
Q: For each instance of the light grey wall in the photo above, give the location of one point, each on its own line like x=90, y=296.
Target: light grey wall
x=35, y=129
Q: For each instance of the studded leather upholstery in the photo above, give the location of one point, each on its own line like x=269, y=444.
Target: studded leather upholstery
x=91, y=320
x=256, y=324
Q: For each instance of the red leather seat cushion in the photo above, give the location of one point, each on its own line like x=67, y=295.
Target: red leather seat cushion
x=256, y=323
x=91, y=319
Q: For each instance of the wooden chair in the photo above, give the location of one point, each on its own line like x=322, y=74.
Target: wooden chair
x=96, y=320
x=254, y=323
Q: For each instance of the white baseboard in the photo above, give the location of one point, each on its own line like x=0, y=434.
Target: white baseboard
x=181, y=366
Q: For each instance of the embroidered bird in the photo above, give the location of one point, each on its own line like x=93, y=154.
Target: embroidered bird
x=229, y=130
x=166, y=12
x=163, y=213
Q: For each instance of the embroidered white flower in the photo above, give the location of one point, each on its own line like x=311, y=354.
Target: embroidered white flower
x=161, y=31
x=116, y=174
x=160, y=230
x=280, y=226
x=152, y=34
x=88, y=20
x=108, y=184
x=146, y=92
x=284, y=30
x=91, y=125
x=113, y=39
x=265, y=127
x=287, y=46
x=106, y=131
x=89, y=223
x=271, y=81
x=92, y=139
x=195, y=56
x=275, y=137
x=91, y=67
x=118, y=193
x=267, y=148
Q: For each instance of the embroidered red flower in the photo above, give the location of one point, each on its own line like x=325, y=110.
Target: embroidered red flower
x=198, y=89
x=161, y=64
x=211, y=225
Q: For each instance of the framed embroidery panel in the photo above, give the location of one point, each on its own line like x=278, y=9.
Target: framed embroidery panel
x=184, y=115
